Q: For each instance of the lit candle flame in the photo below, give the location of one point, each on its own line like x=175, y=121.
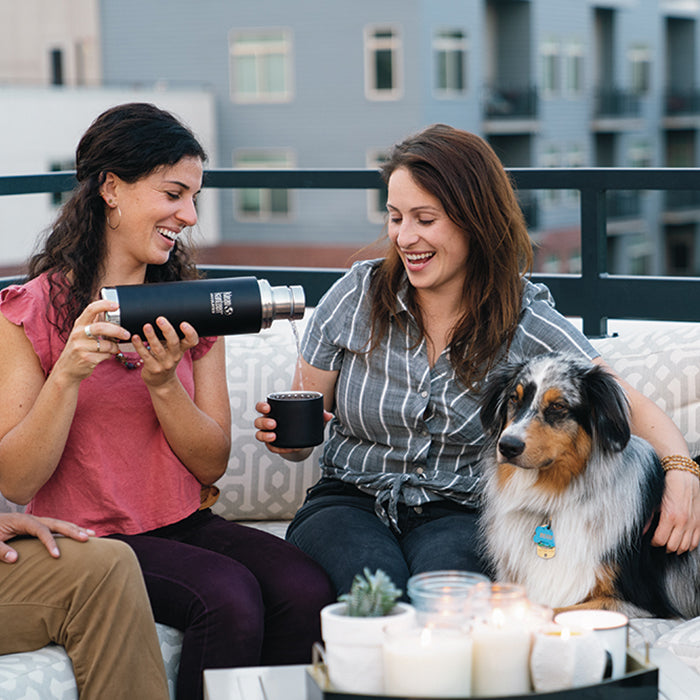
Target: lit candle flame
x=498, y=618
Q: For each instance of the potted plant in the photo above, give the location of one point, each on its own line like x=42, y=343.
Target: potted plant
x=353, y=632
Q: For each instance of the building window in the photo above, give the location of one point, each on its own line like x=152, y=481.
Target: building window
x=260, y=204
x=58, y=199
x=573, y=158
x=376, y=199
x=574, y=69
x=382, y=63
x=640, y=155
x=551, y=80
x=56, y=59
x=80, y=63
x=260, y=69
x=450, y=49
x=640, y=255
x=639, y=58
x=551, y=158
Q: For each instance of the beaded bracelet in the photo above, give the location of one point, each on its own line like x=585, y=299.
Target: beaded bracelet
x=681, y=463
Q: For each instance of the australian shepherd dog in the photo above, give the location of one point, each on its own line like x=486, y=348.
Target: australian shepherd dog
x=571, y=499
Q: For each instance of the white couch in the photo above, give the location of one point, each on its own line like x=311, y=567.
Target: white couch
x=264, y=490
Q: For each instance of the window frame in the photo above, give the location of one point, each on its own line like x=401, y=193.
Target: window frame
x=574, y=65
x=450, y=45
x=372, y=45
x=263, y=158
x=550, y=68
x=261, y=51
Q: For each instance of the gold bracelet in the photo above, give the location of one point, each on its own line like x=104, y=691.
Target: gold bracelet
x=681, y=463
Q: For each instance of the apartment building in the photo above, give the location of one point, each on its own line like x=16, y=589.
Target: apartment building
x=319, y=84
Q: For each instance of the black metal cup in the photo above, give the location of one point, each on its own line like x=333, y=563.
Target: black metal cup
x=299, y=416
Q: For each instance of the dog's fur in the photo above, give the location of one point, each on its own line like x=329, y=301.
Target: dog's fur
x=560, y=449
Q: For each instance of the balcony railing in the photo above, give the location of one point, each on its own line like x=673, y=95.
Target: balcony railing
x=511, y=103
x=624, y=205
x=594, y=294
x=615, y=103
x=682, y=103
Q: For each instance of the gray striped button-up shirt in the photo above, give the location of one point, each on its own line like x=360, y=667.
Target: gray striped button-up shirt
x=404, y=431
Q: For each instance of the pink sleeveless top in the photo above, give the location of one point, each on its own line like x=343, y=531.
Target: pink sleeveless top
x=117, y=473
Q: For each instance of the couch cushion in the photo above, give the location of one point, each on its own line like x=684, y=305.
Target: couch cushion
x=48, y=673
x=664, y=365
x=259, y=485
x=683, y=640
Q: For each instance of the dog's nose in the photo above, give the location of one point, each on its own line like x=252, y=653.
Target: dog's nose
x=510, y=446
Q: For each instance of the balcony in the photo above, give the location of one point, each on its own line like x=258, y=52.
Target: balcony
x=616, y=110
x=510, y=110
x=616, y=103
x=682, y=103
x=594, y=294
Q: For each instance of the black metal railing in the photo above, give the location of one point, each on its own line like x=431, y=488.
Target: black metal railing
x=682, y=103
x=616, y=103
x=594, y=294
x=511, y=102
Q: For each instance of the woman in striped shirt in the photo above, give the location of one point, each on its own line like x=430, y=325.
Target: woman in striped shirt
x=400, y=348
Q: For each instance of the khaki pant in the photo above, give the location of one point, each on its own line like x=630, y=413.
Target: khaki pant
x=92, y=601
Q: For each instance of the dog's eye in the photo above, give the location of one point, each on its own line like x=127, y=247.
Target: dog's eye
x=556, y=409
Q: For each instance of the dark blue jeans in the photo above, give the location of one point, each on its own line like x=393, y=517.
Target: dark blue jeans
x=242, y=597
x=337, y=526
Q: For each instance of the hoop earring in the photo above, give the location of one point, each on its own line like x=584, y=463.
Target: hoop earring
x=109, y=223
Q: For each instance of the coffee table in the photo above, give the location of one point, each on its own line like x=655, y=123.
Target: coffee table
x=256, y=683
x=676, y=681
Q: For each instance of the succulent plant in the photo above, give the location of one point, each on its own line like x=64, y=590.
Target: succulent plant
x=371, y=595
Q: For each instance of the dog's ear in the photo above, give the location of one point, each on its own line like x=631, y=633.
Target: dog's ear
x=608, y=408
x=494, y=399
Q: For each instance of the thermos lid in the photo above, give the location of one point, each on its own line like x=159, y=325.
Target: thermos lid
x=286, y=302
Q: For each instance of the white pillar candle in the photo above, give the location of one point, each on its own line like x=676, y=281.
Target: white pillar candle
x=428, y=662
x=501, y=655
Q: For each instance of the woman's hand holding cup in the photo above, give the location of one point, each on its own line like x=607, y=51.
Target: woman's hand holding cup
x=291, y=423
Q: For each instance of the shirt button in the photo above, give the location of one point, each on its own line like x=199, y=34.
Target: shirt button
x=418, y=509
x=420, y=471
x=424, y=394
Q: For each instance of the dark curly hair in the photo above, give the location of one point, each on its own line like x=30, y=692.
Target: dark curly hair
x=132, y=141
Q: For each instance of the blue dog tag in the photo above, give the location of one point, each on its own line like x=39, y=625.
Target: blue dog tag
x=544, y=539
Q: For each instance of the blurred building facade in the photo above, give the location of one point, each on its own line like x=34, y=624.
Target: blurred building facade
x=318, y=84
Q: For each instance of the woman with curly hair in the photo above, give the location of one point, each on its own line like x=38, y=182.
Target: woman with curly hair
x=124, y=440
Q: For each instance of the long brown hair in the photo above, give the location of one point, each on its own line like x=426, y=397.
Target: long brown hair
x=131, y=140
x=466, y=176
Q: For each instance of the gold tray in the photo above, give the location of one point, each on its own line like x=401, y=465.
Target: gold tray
x=640, y=682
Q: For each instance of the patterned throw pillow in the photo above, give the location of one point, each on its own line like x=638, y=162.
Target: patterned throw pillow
x=259, y=485
x=665, y=367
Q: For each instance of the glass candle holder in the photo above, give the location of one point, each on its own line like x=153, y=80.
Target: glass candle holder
x=431, y=662
x=502, y=639
x=441, y=598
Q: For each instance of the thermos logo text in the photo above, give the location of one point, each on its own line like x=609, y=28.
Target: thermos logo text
x=221, y=303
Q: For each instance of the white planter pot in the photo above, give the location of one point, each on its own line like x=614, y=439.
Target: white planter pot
x=354, y=646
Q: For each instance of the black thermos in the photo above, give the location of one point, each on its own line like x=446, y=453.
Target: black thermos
x=226, y=306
